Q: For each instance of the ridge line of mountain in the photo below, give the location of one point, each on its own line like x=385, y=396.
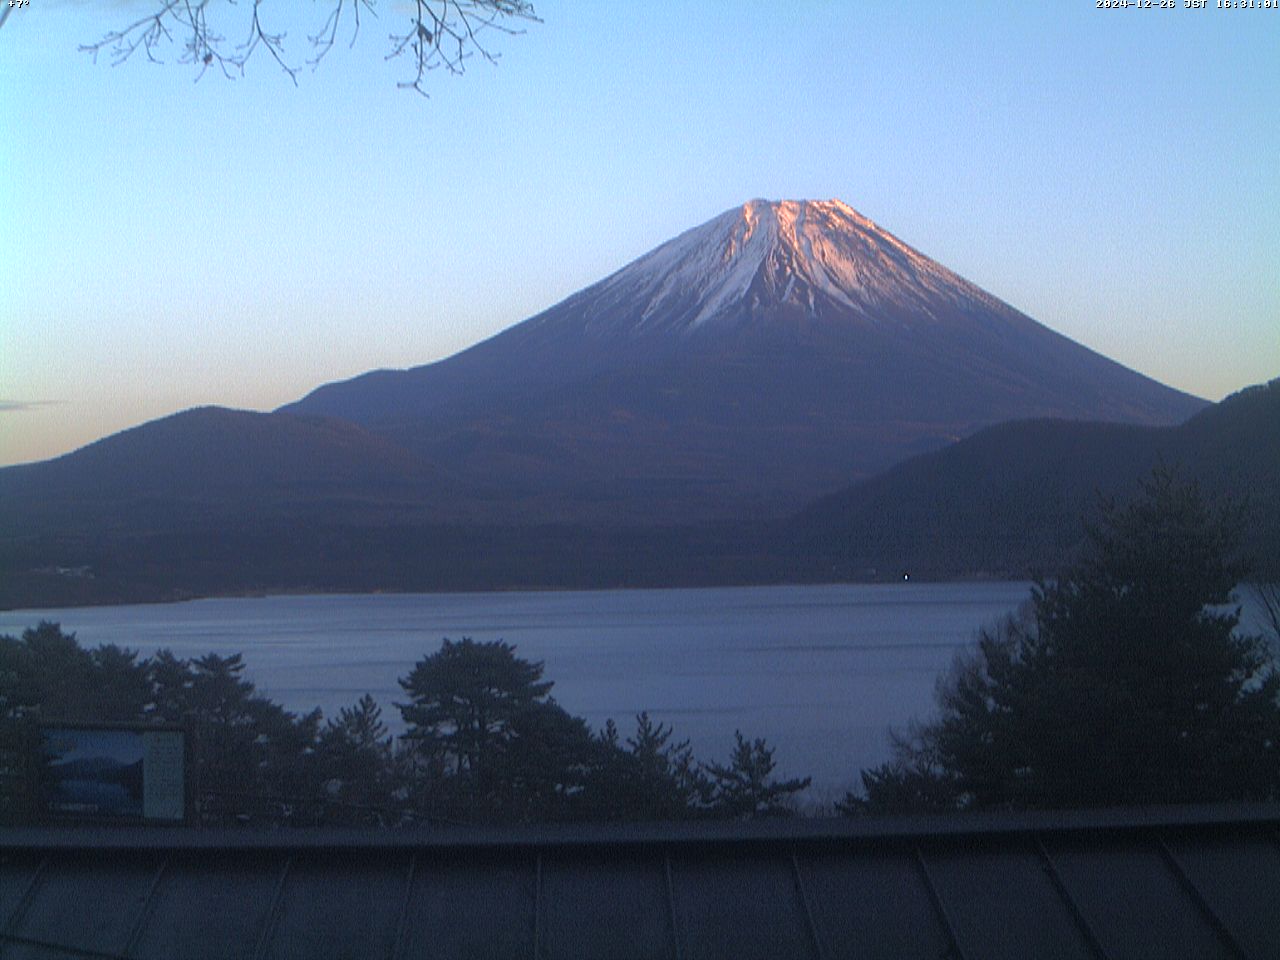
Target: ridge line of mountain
x=941, y=515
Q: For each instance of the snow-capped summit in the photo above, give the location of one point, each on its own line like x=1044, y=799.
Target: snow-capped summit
x=819, y=259
x=777, y=351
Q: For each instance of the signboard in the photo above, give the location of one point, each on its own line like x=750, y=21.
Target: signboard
x=113, y=772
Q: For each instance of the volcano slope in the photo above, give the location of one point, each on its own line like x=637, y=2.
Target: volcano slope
x=773, y=354
x=650, y=429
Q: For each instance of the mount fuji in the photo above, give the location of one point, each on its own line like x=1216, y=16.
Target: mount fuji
x=777, y=352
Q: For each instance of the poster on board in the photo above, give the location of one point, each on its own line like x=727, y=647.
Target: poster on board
x=117, y=773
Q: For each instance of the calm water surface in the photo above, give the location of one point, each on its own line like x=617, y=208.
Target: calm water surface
x=823, y=672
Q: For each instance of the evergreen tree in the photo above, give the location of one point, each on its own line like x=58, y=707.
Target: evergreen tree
x=912, y=782
x=669, y=782
x=545, y=770
x=746, y=787
x=356, y=763
x=47, y=674
x=648, y=777
x=1129, y=683
x=464, y=703
x=251, y=756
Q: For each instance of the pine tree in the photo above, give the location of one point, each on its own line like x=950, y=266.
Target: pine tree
x=464, y=703
x=356, y=763
x=1128, y=683
x=746, y=787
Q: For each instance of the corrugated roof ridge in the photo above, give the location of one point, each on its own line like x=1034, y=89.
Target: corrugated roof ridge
x=756, y=832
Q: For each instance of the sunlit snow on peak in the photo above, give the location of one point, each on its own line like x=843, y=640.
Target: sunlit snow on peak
x=818, y=257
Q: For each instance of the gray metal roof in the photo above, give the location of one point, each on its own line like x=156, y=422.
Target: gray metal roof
x=1160, y=882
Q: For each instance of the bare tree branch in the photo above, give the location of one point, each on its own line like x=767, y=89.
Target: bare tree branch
x=444, y=33
x=441, y=33
x=322, y=42
x=272, y=41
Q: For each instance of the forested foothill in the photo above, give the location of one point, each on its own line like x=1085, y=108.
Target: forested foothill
x=1007, y=502
x=1126, y=680
x=223, y=503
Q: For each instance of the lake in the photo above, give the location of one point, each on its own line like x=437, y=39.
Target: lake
x=822, y=672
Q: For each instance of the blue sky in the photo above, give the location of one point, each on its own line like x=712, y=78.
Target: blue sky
x=164, y=243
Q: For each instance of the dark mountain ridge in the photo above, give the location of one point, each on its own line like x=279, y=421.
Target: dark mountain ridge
x=1009, y=501
x=216, y=461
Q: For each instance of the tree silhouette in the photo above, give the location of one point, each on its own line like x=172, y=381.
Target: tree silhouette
x=46, y=674
x=747, y=787
x=464, y=703
x=545, y=772
x=1128, y=682
x=248, y=751
x=356, y=760
x=647, y=777
x=484, y=742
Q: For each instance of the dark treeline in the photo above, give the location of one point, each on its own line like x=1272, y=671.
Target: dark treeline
x=200, y=553
x=484, y=742
x=1128, y=680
